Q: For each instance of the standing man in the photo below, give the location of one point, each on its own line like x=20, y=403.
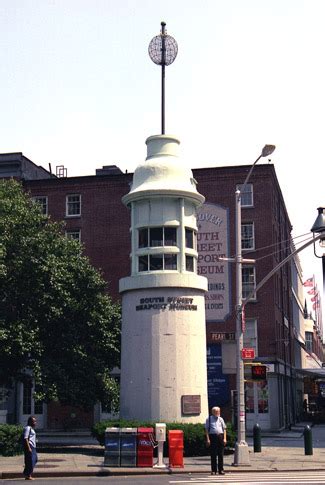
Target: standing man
x=216, y=439
x=30, y=448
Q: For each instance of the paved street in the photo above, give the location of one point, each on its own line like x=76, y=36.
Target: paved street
x=276, y=478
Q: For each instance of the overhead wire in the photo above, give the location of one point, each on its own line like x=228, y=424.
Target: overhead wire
x=274, y=245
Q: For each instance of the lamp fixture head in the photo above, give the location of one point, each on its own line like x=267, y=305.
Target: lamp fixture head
x=319, y=224
x=319, y=228
x=267, y=150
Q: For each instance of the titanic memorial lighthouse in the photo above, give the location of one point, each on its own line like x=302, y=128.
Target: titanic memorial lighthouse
x=163, y=366
x=163, y=361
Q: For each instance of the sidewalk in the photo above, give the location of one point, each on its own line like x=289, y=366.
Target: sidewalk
x=281, y=452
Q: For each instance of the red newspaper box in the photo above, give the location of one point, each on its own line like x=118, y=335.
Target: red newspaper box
x=176, y=448
x=145, y=447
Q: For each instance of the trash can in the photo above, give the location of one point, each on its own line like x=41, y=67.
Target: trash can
x=145, y=447
x=128, y=447
x=176, y=448
x=112, y=447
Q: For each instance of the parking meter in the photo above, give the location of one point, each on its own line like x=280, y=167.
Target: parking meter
x=160, y=438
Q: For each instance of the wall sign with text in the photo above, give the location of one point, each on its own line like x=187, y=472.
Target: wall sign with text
x=169, y=303
x=218, y=383
x=213, y=243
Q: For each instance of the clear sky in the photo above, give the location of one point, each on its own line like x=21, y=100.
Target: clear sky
x=77, y=87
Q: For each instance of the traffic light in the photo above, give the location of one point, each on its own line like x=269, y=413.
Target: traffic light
x=259, y=372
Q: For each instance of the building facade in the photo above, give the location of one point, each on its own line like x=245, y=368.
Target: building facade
x=93, y=212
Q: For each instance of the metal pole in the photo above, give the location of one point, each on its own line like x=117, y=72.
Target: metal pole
x=163, y=64
x=241, y=456
x=323, y=266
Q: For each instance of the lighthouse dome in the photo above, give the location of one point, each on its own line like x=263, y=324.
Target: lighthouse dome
x=163, y=172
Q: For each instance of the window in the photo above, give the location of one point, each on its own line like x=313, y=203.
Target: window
x=143, y=263
x=189, y=238
x=73, y=205
x=250, y=335
x=170, y=236
x=3, y=398
x=73, y=234
x=143, y=238
x=248, y=281
x=262, y=397
x=155, y=236
x=247, y=235
x=38, y=404
x=257, y=397
x=27, y=397
x=157, y=262
x=246, y=197
x=42, y=202
x=170, y=261
x=249, y=397
x=189, y=263
x=309, y=341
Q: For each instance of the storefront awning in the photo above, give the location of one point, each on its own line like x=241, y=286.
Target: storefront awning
x=317, y=372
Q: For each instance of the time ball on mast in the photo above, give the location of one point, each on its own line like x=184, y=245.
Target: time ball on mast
x=163, y=50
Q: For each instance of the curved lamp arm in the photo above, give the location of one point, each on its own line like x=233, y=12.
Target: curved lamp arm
x=274, y=270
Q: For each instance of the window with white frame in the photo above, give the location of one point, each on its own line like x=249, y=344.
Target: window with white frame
x=164, y=238
x=250, y=334
x=154, y=237
x=42, y=201
x=157, y=262
x=190, y=238
x=189, y=260
x=309, y=341
x=247, y=235
x=248, y=281
x=73, y=205
x=157, y=236
x=74, y=234
x=246, y=197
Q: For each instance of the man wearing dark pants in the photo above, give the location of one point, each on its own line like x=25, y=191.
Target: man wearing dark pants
x=216, y=438
x=30, y=448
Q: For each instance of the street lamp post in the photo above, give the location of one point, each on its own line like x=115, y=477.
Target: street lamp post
x=241, y=456
x=318, y=229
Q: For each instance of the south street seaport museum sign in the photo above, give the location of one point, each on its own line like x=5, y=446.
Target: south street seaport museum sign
x=212, y=244
x=169, y=303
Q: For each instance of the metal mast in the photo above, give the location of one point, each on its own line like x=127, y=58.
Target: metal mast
x=163, y=51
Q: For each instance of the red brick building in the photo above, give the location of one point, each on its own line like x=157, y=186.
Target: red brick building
x=92, y=210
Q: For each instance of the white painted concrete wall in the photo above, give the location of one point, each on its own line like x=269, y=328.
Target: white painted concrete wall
x=163, y=356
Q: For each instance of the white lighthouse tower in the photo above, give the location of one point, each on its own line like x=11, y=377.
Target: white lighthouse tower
x=163, y=363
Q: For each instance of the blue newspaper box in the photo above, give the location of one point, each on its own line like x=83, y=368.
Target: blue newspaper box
x=128, y=447
x=112, y=447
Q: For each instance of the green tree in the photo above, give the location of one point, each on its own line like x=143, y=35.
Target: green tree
x=56, y=317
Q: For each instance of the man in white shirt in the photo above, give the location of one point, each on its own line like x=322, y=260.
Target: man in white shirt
x=216, y=439
x=30, y=448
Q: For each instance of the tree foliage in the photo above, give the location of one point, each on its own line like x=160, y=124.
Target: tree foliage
x=56, y=317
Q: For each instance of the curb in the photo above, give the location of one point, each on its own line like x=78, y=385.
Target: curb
x=139, y=472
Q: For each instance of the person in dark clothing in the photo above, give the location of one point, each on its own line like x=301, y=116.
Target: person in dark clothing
x=216, y=439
